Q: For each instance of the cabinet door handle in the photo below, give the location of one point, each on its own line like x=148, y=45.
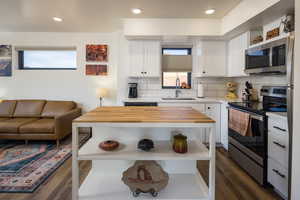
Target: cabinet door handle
x=278, y=173
x=204, y=72
x=281, y=129
x=280, y=145
x=208, y=108
x=145, y=72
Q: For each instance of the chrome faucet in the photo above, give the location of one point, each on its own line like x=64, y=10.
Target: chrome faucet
x=177, y=91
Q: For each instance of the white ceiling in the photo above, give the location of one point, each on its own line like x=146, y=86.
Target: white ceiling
x=98, y=15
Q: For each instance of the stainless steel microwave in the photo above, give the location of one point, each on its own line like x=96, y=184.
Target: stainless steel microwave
x=268, y=58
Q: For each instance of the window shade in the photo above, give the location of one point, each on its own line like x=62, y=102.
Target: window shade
x=174, y=63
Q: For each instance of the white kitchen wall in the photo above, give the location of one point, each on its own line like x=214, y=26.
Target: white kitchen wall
x=171, y=27
x=123, y=69
x=61, y=84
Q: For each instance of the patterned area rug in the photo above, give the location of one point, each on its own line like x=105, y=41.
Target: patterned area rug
x=23, y=168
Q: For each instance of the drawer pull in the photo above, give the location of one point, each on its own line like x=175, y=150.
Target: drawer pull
x=281, y=129
x=280, y=145
x=278, y=173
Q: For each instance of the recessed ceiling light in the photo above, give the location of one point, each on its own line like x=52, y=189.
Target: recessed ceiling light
x=57, y=19
x=136, y=11
x=210, y=11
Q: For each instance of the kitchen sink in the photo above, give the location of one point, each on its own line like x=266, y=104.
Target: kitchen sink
x=170, y=98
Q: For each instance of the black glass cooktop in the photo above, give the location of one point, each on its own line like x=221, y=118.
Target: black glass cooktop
x=255, y=107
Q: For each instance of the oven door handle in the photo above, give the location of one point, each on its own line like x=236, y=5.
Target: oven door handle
x=257, y=117
x=252, y=116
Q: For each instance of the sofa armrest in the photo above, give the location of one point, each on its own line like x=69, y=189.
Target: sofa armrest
x=63, y=123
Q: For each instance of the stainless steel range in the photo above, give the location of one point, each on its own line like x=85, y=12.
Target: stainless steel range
x=248, y=134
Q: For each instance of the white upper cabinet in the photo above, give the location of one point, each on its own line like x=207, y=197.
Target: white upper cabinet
x=209, y=59
x=145, y=58
x=236, y=55
x=136, y=58
x=152, y=61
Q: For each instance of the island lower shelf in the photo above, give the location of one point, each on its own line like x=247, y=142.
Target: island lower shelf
x=128, y=151
x=110, y=187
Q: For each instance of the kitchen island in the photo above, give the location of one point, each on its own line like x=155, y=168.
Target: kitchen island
x=130, y=124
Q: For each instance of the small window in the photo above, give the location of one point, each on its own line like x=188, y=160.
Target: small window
x=177, y=51
x=173, y=80
x=47, y=59
x=176, y=69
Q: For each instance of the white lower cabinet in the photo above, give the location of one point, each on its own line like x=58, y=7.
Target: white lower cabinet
x=212, y=110
x=278, y=154
x=224, y=125
x=278, y=177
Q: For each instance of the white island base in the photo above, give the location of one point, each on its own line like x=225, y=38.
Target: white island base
x=104, y=181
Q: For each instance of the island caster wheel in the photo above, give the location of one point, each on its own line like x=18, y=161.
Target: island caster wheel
x=153, y=193
x=136, y=193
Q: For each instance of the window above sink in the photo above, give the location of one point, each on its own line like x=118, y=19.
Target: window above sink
x=169, y=80
x=176, y=68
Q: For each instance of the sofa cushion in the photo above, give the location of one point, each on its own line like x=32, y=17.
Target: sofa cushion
x=56, y=108
x=4, y=118
x=29, y=108
x=39, y=126
x=7, y=108
x=13, y=125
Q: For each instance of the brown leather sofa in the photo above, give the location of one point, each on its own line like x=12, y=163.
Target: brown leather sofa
x=37, y=119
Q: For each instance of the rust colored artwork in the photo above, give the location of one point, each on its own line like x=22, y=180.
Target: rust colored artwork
x=96, y=53
x=96, y=70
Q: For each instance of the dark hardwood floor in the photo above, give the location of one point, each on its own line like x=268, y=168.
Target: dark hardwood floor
x=231, y=182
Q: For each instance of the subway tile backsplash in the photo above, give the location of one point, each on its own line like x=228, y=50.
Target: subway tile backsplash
x=259, y=81
x=213, y=87
x=151, y=88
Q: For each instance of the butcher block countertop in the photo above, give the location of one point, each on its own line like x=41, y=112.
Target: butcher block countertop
x=144, y=115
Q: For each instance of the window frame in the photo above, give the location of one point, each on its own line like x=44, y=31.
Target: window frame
x=189, y=74
x=22, y=67
x=189, y=79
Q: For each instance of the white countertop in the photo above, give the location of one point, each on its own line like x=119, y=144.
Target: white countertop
x=196, y=100
x=277, y=114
